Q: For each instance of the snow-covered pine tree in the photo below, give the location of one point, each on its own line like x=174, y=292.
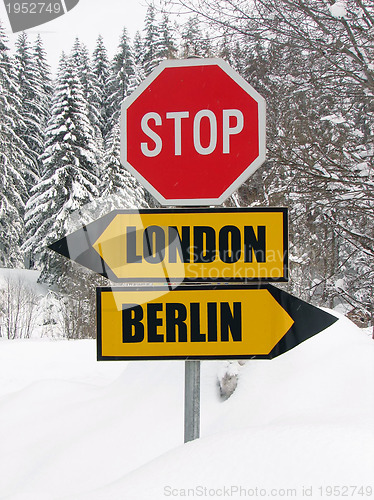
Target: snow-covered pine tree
x=123, y=68
x=44, y=79
x=193, y=43
x=134, y=83
x=81, y=59
x=31, y=131
x=238, y=52
x=138, y=48
x=207, y=46
x=154, y=48
x=121, y=189
x=91, y=91
x=101, y=71
x=14, y=163
x=70, y=173
x=168, y=48
x=225, y=50
x=138, y=51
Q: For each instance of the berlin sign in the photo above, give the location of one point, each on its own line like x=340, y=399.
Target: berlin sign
x=193, y=132
x=189, y=322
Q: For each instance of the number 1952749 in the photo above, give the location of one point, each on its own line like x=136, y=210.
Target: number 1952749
x=33, y=8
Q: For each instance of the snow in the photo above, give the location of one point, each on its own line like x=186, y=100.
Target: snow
x=339, y=9
x=340, y=284
x=334, y=118
x=72, y=428
x=23, y=363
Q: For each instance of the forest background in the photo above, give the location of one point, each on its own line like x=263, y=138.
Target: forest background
x=313, y=62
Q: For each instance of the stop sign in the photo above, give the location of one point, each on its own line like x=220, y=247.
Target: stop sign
x=193, y=132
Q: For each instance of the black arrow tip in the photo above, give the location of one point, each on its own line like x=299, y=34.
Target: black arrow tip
x=61, y=247
x=308, y=321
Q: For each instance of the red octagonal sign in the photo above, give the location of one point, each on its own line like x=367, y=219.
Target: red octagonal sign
x=193, y=132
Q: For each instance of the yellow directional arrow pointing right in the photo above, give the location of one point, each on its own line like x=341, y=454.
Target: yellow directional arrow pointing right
x=185, y=323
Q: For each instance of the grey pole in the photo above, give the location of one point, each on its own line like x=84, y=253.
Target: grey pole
x=192, y=401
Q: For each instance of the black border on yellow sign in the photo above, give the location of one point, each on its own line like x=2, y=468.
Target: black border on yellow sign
x=308, y=320
x=193, y=210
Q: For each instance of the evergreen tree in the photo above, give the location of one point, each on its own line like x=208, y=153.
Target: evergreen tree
x=193, y=40
x=134, y=83
x=32, y=105
x=138, y=48
x=121, y=189
x=226, y=51
x=43, y=76
x=70, y=174
x=168, y=49
x=81, y=59
x=101, y=71
x=206, y=46
x=15, y=166
x=91, y=94
x=154, y=48
x=238, y=57
x=123, y=68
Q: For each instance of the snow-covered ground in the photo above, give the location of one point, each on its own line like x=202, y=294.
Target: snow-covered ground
x=73, y=428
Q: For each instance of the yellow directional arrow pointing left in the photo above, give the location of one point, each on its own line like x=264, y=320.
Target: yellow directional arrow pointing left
x=186, y=244
x=158, y=245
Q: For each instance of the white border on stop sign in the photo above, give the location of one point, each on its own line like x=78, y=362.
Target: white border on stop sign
x=172, y=63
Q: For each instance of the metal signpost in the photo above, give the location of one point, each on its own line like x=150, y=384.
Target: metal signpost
x=191, y=400
x=192, y=133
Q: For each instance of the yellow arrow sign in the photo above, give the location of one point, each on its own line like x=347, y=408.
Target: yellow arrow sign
x=153, y=323
x=193, y=245
x=244, y=244
x=202, y=322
